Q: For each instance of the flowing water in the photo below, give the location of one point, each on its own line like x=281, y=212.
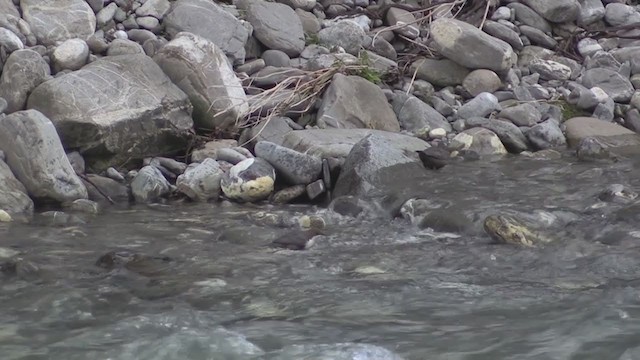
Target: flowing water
x=212, y=288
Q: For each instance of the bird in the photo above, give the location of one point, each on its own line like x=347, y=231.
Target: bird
x=435, y=157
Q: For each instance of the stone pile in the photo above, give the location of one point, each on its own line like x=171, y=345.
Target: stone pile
x=300, y=99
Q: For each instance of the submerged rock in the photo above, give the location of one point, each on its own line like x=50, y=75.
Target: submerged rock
x=506, y=229
x=341, y=351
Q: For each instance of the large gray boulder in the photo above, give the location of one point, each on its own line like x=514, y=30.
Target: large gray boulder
x=457, y=39
x=8, y=8
x=36, y=157
x=275, y=25
x=337, y=143
x=209, y=20
x=23, y=71
x=376, y=166
x=13, y=195
x=54, y=21
x=353, y=102
x=614, y=135
x=617, y=86
x=202, y=71
x=116, y=109
x=294, y=167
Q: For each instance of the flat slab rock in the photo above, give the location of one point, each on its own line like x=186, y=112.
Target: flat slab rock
x=611, y=134
x=55, y=21
x=115, y=109
x=337, y=143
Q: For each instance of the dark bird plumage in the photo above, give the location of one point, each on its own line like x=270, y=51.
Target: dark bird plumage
x=435, y=157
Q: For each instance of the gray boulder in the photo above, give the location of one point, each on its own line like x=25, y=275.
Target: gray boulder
x=557, y=11
x=456, y=39
x=590, y=12
x=7, y=8
x=209, y=20
x=105, y=190
x=480, y=106
x=439, y=72
x=13, y=195
x=296, y=168
x=116, y=109
x=614, y=135
x=481, y=141
x=617, y=14
x=509, y=134
x=337, y=143
x=617, y=86
x=275, y=25
x=353, y=102
x=546, y=135
x=201, y=182
x=23, y=71
x=522, y=114
x=528, y=16
x=503, y=33
x=155, y=8
x=36, y=156
x=481, y=80
x=55, y=21
x=415, y=115
x=346, y=34
x=270, y=129
x=376, y=165
x=9, y=41
x=249, y=180
x=149, y=185
x=200, y=69
x=70, y=55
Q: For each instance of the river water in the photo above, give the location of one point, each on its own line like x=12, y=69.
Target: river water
x=370, y=288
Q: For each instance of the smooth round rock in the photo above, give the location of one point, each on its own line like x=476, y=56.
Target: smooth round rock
x=249, y=180
x=481, y=80
x=70, y=55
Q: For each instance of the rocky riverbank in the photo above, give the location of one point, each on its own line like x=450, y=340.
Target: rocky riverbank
x=104, y=102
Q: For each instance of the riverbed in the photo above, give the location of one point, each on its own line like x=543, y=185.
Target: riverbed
x=211, y=287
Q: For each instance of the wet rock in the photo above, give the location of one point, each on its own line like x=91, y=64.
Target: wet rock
x=592, y=148
x=415, y=115
x=149, y=185
x=58, y=219
x=59, y=20
x=347, y=205
x=480, y=106
x=70, y=55
x=142, y=264
x=14, y=199
x=481, y=80
x=249, y=180
x=337, y=143
x=546, y=135
x=439, y=72
x=202, y=71
x=455, y=39
x=23, y=71
x=479, y=140
x=275, y=25
x=345, y=34
x=82, y=206
x=508, y=133
x=36, y=156
x=116, y=118
x=340, y=351
x=353, y=102
x=579, y=128
x=374, y=164
x=210, y=21
x=297, y=239
x=294, y=167
x=288, y=194
x=618, y=193
x=505, y=229
x=105, y=190
x=617, y=86
x=201, y=182
x=522, y=114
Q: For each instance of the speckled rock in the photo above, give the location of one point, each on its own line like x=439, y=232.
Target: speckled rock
x=249, y=180
x=201, y=182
